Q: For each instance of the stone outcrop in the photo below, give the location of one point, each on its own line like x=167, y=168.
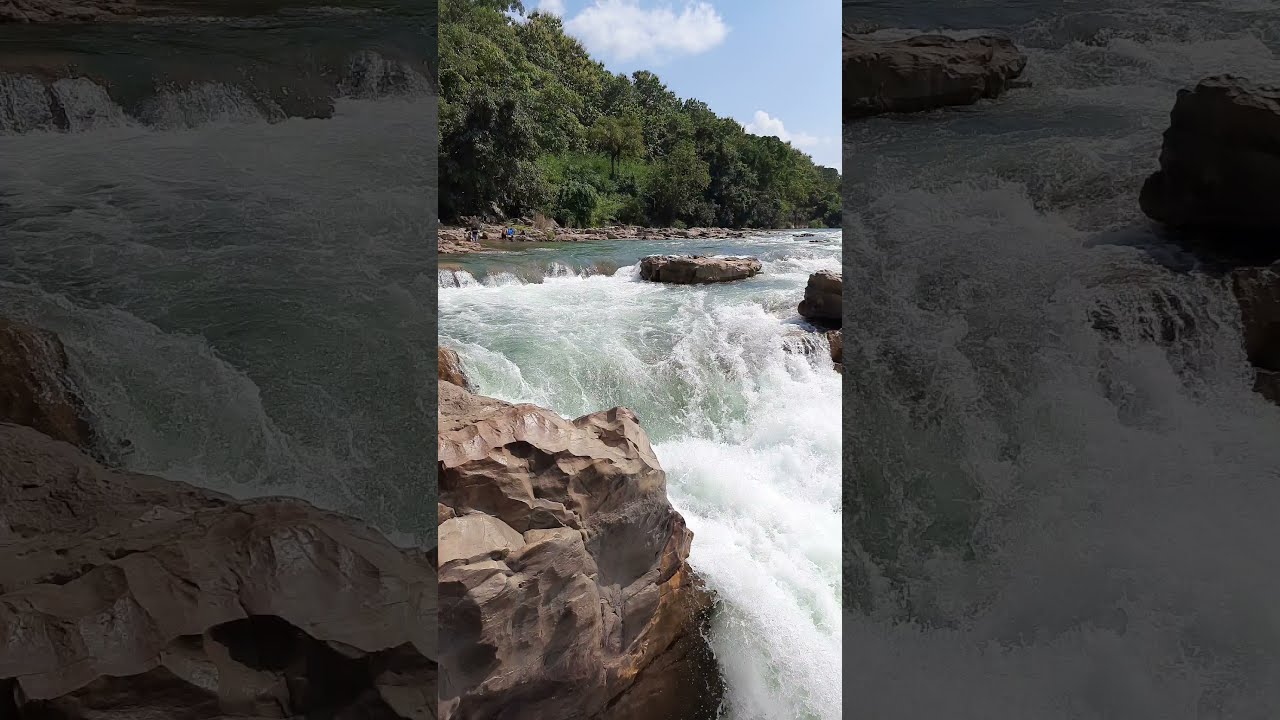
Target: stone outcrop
x=1220, y=164
x=564, y=580
x=125, y=595
x=130, y=596
x=924, y=73
x=696, y=269
x=836, y=342
x=1257, y=289
x=823, y=299
x=450, y=368
x=34, y=385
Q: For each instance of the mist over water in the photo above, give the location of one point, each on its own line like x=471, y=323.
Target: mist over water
x=747, y=432
x=244, y=294
x=1063, y=490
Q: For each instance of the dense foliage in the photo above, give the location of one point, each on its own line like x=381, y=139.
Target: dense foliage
x=530, y=123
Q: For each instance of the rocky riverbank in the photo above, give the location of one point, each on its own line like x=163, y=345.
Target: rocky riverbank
x=128, y=595
x=563, y=570
x=454, y=240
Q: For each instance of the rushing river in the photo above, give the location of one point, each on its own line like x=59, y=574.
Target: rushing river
x=1062, y=491
x=748, y=433
x=229, y=223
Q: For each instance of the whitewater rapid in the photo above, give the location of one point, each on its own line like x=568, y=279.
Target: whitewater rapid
x=748, y=433
x=1064, y=491
x=245, y=298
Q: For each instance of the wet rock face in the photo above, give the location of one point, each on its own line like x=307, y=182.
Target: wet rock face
x=563, y=577
x=1257, y=289
x=34, y=389
x=1220, y=165
x=129, y=596
x=925, y=73
x=450, y=368
x=823, y=299
x=696, y=270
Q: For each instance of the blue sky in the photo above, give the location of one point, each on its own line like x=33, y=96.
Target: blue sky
x=772, y=65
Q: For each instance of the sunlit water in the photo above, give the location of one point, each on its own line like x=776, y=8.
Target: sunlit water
x=748, y=433
x=246, y=299
x=1051, y=520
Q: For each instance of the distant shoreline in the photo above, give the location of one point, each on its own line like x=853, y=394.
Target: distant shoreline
x=455, y=240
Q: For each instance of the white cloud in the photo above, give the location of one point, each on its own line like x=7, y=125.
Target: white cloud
x=622, y=30
x=551, y=7
x=764, y=124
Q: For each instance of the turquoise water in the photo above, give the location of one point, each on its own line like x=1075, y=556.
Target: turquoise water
x=748, y=433
x=246, y=298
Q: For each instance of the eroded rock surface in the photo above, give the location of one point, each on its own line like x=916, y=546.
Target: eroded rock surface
x=34, y=385
x=450, y=368
x=697, y=270
x=125, y=595
x=564, y=584
x=924, y=73
x=1220, y=165
x=823, y=299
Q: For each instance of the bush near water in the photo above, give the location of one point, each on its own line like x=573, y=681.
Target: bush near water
x=529, y=122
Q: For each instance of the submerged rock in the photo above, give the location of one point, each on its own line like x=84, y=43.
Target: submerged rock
x=1220, y=165
x=926, y=72
x=34, y=386
x=450, y=368
x=696, y=269
x=125, y=595
x=564, y=575
x=823, y=298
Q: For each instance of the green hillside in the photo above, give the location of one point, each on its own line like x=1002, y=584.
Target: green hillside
x=529, y=122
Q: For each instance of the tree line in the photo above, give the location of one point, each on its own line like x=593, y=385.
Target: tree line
x=530, y=123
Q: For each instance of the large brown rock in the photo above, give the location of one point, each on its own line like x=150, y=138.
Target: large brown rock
x=697, y=270
x=129, y=596
x=564, y=580
x=924, y=73
x=1220, y=162
x=450, y=368
x=34, y=385
x=823, y=298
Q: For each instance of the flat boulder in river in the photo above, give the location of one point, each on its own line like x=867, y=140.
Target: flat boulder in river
x=697, y=269
x=564, y=576
x=1220, y=163
x=823, y=298
x=925, y=72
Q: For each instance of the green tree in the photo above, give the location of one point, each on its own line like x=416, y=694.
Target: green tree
x=618, y=138
x=676, y=188
x=577, y=202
